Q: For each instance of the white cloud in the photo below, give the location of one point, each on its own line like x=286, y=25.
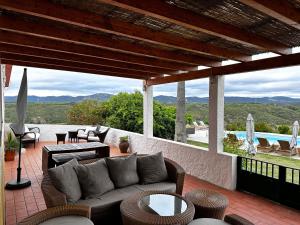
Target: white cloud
x=42, y=82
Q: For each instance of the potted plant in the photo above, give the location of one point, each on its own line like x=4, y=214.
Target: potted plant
x=11, y=146
x=124, y=144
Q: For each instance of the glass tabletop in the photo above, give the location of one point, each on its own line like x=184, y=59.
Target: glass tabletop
x=163, y=204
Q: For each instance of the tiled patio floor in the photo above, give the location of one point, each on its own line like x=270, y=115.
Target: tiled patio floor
x=21, y=203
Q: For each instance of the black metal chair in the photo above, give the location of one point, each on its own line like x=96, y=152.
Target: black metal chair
x=98, y=136
x=31, y=135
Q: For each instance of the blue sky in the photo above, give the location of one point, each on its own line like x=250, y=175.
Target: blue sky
x=42, y=82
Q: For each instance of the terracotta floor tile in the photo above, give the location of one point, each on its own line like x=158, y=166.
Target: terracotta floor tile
x=21, y=203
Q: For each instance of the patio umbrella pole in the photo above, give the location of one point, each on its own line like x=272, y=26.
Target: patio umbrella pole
x=18, y=130
x=20, y=182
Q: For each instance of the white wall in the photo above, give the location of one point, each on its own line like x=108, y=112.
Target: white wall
x=207, y=165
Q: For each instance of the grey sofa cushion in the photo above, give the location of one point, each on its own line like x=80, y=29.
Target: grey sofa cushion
x=94, y=178
x=208, y=221
x=123, y=170
x=152, y=168
x=161, y=186
x=64, y=178
x=108, y=204
x=68, y=220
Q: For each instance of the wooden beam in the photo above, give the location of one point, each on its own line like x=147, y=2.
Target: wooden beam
x=71, y=35
x=160, y=9
x=66, y=68
x=48, y=10
x=48, y=54
x=279, y=9
x=45, y=61
x=54, y=45
x=263, y=64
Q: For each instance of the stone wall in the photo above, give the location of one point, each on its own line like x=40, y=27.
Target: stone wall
x=217, y=168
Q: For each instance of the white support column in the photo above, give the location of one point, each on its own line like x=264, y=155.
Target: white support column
x=216, y=113
x=148, y=111
x=2, y=208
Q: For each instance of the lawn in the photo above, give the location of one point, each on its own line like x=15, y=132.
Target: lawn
x=264, y=168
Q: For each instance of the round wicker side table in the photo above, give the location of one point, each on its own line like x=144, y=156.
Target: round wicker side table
x=134, y=210
x=208, y=204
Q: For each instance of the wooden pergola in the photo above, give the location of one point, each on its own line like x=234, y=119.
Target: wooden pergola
x=159, y=41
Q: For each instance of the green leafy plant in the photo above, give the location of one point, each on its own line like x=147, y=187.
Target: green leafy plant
x=11, y=144
x=263, y=127
x=124, y=138
x=283, y=129
x=233, y=147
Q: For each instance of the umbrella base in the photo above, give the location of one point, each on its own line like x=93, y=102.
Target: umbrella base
x=14, y=184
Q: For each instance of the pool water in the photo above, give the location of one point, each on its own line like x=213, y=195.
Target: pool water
x=272, y=138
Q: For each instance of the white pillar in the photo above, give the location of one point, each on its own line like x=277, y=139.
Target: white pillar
x=216, y=113
x=148, y=111
x=2, y=208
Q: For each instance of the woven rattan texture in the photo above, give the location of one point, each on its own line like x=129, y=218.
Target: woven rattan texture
x=132, y=214
x=208, y=204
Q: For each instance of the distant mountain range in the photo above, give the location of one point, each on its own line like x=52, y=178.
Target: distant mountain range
x=160, y=98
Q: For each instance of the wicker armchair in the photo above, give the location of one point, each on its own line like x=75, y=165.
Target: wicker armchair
x=53, y=197
x=67, y=210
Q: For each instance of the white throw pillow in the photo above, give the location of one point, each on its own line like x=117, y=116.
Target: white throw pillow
x=26, y=129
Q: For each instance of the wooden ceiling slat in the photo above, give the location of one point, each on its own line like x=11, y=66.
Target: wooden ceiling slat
x=25, y=58
x=55, y=45
x=263, y=64
x=67, y=68
x=279, y=9
x=161, y=10
x=21, y=50
x=48, y=10
x=71, y=35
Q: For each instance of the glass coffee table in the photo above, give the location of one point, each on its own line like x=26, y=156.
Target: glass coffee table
x=159, y=208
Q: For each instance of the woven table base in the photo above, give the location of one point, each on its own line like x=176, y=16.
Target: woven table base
x=208, y=204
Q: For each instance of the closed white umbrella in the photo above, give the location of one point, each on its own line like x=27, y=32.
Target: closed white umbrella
x=293, y=142
x=250, y=135
x=19, y=129
x=21, y=107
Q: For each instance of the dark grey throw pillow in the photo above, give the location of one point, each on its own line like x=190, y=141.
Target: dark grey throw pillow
x=152, y=168
x=64, y=179
x=94, y=179
x=123, y=170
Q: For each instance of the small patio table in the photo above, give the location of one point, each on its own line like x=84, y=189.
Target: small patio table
x=61, y=137
x=101, y=150
x=156, y=208
x=72, y=135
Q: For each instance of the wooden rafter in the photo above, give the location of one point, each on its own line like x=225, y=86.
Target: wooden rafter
x=161, y=10
x=71, y=35
x=263, y=64
x=48, y=54
x=48, y=10
x=55, y=45
x=66, y=68
x=279, y=9
x=45, y=61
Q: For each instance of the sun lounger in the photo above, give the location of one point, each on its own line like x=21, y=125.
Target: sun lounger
x=265, y=146
x=284, y=148
x=233, y=138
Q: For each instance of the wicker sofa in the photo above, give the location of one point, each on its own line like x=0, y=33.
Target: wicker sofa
x=106, y=209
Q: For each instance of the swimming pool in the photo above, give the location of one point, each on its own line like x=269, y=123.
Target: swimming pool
x=272, y=138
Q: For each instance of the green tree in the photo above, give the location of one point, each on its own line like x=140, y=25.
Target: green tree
x=283, y=129
x=86, y=112
x=263, y=127
x=125, y=111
